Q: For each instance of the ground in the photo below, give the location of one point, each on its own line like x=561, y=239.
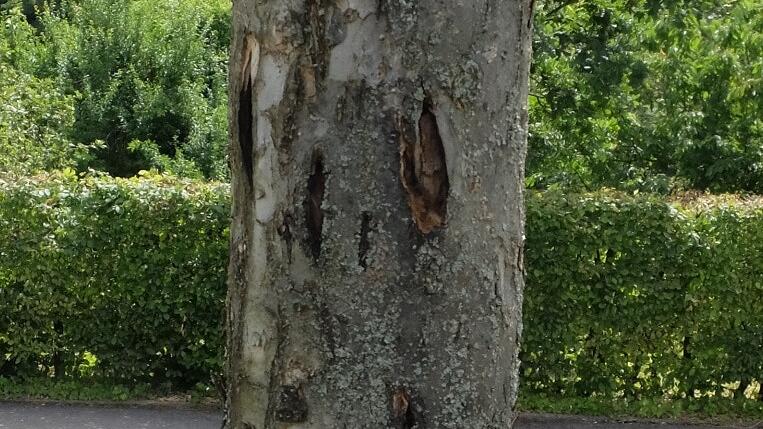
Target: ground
x=39, y=415
x=552, y=421
x=17, y=415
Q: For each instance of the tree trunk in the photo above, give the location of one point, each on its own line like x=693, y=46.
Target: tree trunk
x=377, y=156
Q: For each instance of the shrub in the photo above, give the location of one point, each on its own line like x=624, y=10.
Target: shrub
x=129, y=271
x=36, y=117
x=128, y=70
x=634, y=297
x=627, y=296
x=34, y=120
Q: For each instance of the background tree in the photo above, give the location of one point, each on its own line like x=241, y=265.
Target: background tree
x=146, y=81
x=629, y=94
x=36, y=117
x=649, y=96
x=376, y=257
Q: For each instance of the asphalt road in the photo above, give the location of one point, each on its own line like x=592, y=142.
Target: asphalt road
x=15, y=415
x=59, y=416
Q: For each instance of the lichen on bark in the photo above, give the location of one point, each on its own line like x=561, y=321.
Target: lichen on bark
x=375, y=275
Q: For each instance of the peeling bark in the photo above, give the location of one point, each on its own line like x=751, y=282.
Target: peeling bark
x=377, y=153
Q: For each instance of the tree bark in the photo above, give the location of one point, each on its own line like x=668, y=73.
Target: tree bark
x=377, y=156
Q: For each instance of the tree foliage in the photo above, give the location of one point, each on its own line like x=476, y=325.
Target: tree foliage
x=648, y=95
x=146, y=71
x=631, y=94
x=36, y=117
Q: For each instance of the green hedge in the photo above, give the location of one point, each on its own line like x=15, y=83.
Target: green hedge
x=130, y=273
x=626, y=296
x=632, y=297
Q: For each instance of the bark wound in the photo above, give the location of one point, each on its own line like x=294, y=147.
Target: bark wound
x=285, y=232
x=364, y=246
x=424, y=173
x=245, y=104
x=292, y=407
x=316, y=187
x=403, y=416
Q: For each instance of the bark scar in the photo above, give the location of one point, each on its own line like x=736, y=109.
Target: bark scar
x=249, y=66
x=285, y=232
x=364, y=245
x=423, y=171
x=292, y=406
x=316, y=188
x=403, y=415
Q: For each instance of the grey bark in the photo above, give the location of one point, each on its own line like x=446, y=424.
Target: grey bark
x=377, y=155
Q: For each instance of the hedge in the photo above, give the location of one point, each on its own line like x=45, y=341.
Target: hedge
x=116, y=278
x=635, y=297
x=627, y=296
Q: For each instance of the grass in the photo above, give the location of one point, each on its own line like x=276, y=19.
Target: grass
x=70, y=389
x=717, y=410
x=91, y=389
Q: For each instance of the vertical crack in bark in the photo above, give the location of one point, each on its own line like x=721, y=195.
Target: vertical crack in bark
x=321, y=31
x=316, y=187
x=278, y=404
x=318, y=13
x=364, y=245
x=245, y=113
x=403, y=414
x=245, y=132
x=285, y=232
x=531, y=10
x=424, y=173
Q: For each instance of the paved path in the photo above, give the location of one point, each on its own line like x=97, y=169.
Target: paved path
x=15, y=415
x=59, y=416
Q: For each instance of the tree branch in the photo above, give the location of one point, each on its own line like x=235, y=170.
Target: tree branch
x=558, y=8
